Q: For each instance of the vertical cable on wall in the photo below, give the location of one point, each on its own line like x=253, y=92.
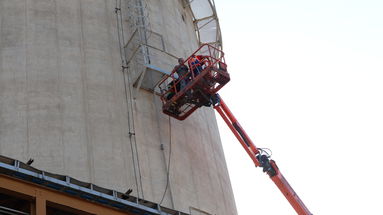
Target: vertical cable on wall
x=129, y=101
x=168, y=163
x=168, y=167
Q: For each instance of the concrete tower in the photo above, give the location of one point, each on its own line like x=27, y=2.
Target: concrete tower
x=78, y=95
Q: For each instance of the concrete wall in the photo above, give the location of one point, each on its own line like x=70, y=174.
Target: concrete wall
x=63, y=102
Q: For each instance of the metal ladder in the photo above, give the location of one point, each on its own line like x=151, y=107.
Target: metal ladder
x=138, y=18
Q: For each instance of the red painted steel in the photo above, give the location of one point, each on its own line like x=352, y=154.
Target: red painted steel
x=289, y=192
x=275, y=175
x=237, y=135
x=201, y=89
x=201, y=82
x=235, y=121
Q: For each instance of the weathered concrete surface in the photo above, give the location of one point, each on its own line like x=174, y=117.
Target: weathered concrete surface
x=63, y=103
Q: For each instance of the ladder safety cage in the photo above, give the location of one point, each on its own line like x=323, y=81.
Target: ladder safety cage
x=206, y=75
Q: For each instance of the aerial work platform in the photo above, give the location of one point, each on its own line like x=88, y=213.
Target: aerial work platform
x=197, y=86
x=182, y=95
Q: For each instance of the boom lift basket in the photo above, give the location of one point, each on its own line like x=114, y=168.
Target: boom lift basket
x=203, y=80
x=206, y=75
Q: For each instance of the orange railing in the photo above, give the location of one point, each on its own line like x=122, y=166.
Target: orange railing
x=211, y=57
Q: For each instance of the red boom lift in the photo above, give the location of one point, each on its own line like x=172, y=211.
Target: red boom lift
x=181, y=96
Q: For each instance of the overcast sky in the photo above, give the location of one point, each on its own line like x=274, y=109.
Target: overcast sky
x=307, y=82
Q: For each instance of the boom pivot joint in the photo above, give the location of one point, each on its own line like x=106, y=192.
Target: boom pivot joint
x=264, y=162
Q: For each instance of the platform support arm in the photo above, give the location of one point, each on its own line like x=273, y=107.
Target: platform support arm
x=269, y=166
x=237, y=130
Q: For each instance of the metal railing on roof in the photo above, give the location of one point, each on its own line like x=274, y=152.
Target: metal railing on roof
x=84, y=190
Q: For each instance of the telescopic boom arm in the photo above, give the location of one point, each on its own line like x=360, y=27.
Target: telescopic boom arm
x=261, y=160
x=182, y=95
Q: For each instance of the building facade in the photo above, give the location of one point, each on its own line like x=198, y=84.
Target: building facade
x=78, y=95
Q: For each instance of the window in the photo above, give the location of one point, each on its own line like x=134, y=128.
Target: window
x=56, y=209
x=14, y=204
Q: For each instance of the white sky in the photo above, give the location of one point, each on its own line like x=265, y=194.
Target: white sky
x=307, y=82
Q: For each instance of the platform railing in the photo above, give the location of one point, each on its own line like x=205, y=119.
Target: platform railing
x=213, y=57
